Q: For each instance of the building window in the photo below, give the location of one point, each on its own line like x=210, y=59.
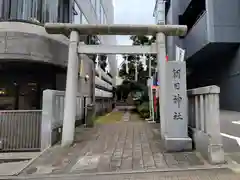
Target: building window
x=27, y=9
x=50, y=11
x=84, y=19
x=93, y=2
x=36, y=9
x=167, y=6
x=98, y=9
x=105, y=19
x=40, y=10
x=5, y=9
x=1, y=8
x=102, y=15
x=77, y=14
x=63, y=11
x=193, y=12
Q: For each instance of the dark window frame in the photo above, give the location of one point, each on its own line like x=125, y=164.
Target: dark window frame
x=193, y=12
x=10, y=10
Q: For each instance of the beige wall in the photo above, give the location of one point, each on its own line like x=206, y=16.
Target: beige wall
x=23, y=41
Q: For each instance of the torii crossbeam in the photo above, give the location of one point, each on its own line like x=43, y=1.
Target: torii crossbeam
x=75, y=30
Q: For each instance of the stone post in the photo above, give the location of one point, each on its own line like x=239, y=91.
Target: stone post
x=176, y=138
x=161, y=67
x=48, y=105
x=71, y=91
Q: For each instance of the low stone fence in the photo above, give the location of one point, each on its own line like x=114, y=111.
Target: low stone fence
x=204, y=122
x=36, y=130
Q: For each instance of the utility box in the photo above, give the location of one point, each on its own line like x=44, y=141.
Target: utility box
x=90, y=115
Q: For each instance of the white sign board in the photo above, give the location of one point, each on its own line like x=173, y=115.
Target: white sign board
x=176, y=128
x=150, y=82
x=126, y=62
x=177, y=99
x=180, y=54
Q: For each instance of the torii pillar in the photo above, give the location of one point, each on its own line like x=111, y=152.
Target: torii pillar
x=74, y=30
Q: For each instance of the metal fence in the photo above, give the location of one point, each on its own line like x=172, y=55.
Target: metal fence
x=20, y=130
x=34, y=130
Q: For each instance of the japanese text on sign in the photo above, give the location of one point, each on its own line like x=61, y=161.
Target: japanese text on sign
x=176, y=73
x=177, y=116
x=177, y=99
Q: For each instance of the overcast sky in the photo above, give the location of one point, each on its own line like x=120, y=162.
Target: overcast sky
x=133, y=12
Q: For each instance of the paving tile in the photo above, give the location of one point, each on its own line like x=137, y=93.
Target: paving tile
x=88, y=162
x=131, y=145
x=219, y=174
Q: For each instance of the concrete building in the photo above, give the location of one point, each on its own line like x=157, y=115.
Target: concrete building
x=32, y=60
x=212, y=44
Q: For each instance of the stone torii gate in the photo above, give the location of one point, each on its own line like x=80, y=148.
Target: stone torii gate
x=75, y=48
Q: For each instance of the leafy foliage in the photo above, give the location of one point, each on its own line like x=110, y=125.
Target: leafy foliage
x=143, y=110
x=135, y=59
x=90, y=39
x=123, y=90
x=139, y=89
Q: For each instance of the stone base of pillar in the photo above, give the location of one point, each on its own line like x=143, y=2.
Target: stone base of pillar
x=216, y=154
x=177, y=144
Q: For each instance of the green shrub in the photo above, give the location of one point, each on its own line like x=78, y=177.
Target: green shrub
x=143, y=110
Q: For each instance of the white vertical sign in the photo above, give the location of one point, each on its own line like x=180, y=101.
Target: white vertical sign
x=144, y=62
x=177, y=117
x=98, y=66
x=126, y=62
x=180, y=54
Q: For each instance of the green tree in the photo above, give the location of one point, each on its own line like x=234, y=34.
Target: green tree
x=123, y=90
x=93, y=40
x=132, y=59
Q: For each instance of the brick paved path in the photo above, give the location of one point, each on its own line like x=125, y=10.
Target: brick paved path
x=126, y=116
x=123, y=146
x=217, y=174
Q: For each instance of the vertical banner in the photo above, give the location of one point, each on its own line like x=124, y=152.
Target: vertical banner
x=136, y=71
x=144, y=62
x=180, y=54
x=81, y=69
x=98, y=66
x=126, y=62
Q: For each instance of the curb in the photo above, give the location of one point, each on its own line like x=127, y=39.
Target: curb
x=72, y=175
x=30, y=162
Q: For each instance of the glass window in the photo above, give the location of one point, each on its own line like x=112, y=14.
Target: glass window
x=35, y=9
x=40, y=10
x=27, y=9
x=50, y=11
x=5, y=9
x=77, y=14
x=93, y=2
x=1, y=8
x=24, y=9
x=84, y=19
x=102, y=15
x=105, y=19
x=63, y=11
x=14, y=10
x=98, y=6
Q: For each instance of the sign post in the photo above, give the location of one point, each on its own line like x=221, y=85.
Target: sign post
x=176, y=137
